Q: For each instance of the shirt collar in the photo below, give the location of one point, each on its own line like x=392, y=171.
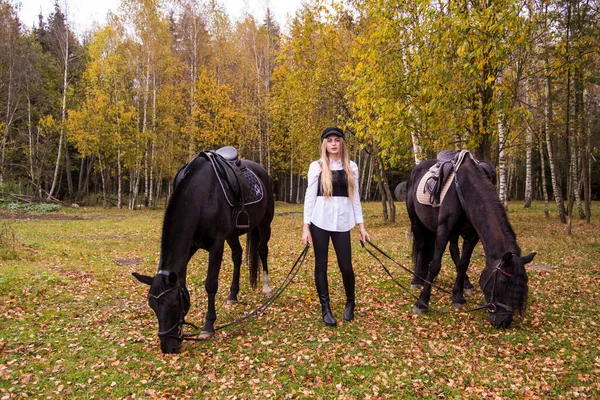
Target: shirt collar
x=336, y=163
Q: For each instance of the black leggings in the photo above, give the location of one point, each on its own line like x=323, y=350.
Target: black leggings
x=343, y=252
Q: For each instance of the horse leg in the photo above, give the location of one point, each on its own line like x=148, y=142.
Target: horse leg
x=423, y=241
x=454, y=251
x=468, y=247
x=236, y=256
x=215, y=257
x=441, y=240
x=263, y=252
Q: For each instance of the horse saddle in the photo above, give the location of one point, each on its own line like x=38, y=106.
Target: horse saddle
x=434, y=185
x=240, y=185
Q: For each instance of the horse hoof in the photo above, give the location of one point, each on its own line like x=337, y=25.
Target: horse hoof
x=231, y=302
x=419, y=310
x=268, y=294
x=205, y=335
x=469, y=291
x=457, y=306
x=415, y=286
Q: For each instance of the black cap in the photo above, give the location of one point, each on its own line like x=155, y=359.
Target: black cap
x=332, y=130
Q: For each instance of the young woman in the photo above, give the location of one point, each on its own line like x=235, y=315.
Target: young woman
x=331, y=209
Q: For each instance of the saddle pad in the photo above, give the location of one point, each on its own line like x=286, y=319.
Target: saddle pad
x=254, y=192
x=256, y=187
x=424, y=197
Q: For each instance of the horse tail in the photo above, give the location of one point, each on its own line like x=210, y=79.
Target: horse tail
x=252, y=256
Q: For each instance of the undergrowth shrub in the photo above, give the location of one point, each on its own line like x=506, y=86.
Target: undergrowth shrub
x=31, y=207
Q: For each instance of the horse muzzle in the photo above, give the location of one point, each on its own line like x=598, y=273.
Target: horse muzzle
x=500, y=320
x=169, y=345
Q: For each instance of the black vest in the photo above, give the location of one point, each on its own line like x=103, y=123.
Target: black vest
x=339, y=184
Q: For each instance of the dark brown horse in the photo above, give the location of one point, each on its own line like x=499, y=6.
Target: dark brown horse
x=199, y=216
x=471, y=208
x=470, y=240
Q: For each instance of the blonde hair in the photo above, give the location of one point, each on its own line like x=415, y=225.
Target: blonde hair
x=326, y=176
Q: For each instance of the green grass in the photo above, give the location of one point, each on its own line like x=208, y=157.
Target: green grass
x=75, y=323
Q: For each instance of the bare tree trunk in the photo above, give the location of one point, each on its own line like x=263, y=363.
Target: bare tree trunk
x=104, y=202
x=586, y=166
x=32, y=173
x=553, y=171
x=119, y=181
x=370, y=179
x=68, y=169
x=577, y=142
x=543, y=174
x=386, y=193
x=502, y=163
x=528, y=160
x=291, y=185
x=153, y=144
x=417, y=148
x=63, y=108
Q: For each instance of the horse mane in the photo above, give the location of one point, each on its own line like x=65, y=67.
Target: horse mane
x=180, y=183
x=510, y=237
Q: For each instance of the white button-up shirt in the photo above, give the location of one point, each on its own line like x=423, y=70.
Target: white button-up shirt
x=335, y=213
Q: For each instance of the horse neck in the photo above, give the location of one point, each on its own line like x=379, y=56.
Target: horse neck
x=179, y=225
x=488, y=217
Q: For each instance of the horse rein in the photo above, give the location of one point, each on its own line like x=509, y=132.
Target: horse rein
x=491, y=307
x=184, y=295
x=404, y=268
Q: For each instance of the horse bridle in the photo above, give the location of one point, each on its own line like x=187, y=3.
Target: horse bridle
x=183, y=297
x=492, y=305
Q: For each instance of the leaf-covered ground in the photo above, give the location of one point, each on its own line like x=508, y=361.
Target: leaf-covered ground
x=75, y=323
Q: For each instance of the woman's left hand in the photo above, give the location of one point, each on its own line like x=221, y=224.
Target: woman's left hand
x=364, y=235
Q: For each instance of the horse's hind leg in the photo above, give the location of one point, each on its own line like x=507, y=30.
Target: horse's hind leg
x=236, y=256
x=215, y=257
x=263, y=252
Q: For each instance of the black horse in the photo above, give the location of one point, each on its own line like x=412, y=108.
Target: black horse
x=470, y=240
x=471, y=208
x=199, y=216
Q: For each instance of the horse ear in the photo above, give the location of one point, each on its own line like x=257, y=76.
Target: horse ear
x=528, y=258
x=144, y=278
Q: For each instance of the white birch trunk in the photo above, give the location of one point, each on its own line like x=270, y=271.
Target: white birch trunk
x=63, y=109
x=543, y=174
x=528, y=160
x=417, y=148
x=502, y=163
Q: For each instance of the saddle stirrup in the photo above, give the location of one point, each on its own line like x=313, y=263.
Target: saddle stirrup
x=244, y=221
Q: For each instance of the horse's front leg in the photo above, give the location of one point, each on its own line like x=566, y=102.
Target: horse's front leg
x=215, y=257
x=236, y=257
x=441, y=240
x=462, y=284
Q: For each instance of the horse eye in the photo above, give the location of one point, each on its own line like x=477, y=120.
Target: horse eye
x=503, y=281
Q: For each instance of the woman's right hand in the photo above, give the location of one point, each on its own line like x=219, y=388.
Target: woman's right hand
x=306, y=238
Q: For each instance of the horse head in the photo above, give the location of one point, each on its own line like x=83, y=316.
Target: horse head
x=505, y=288
x=171, y=302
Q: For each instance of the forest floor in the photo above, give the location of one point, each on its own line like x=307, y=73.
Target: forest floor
x=75, y=323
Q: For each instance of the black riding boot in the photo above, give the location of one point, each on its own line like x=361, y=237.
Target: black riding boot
x=349, y=311
x=323, y=292
x=349, y=282
x=326, y=311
